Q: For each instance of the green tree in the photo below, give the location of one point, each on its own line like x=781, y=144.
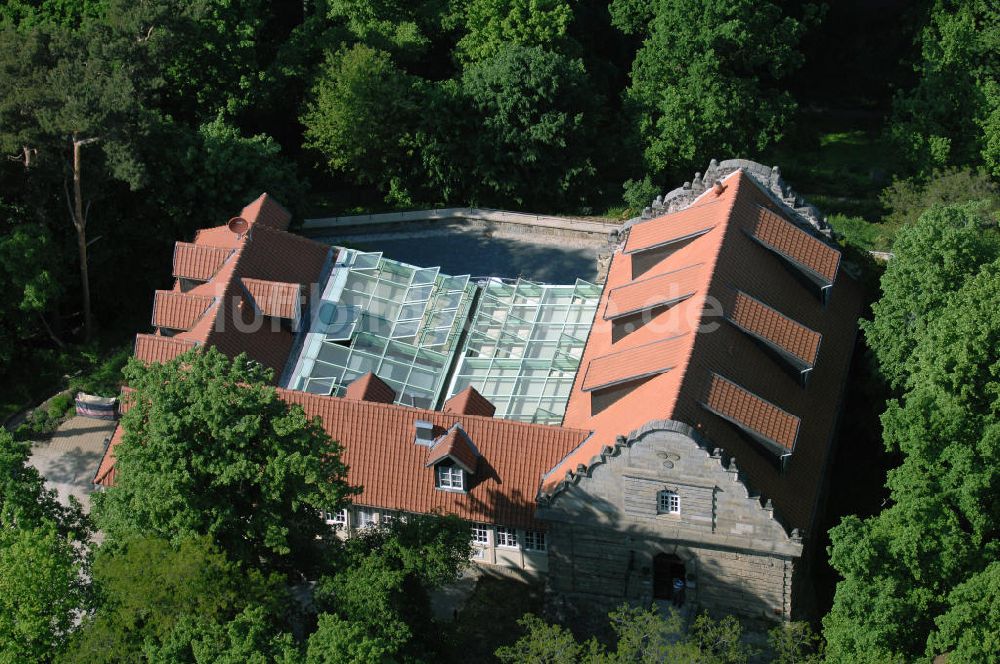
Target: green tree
x=220, y=54
x=906, y=199
x=405, y=29
x=41, y=590
x=968, y=630
x=901, y=567
x=643, y=636
x=932, y=259
x=29, y=269
x=950, y=116
x=706, y=80
x=175, y=603
x=535, y=112
x=219, y=170
x=363, y=111
x=41, y=560
x=493, y=26
x=210, y=449
x=795, y=643
x=24, y=500
x=552, y=644
x=73, y=93
x=378, y=598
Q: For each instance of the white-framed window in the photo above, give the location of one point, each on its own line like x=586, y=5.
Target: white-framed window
x=338, y=518
x=366, y=518
x=534, y=540
x=668, y=502
x=481, y=534
x=450, y=476
x=506, y=537
x=386, y=517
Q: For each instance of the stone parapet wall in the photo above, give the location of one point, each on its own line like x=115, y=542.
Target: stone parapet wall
x=501, y=220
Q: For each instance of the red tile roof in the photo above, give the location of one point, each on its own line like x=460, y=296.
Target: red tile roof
x=275, y=298
x=175, y=310
x=198, y=262
x=105, y=475
x=268, y=212
x=370, y=388
x=269, y=255
x=379, y=449
x=773, y=327
x=378, y=446
x=674, y=227
x=275, y=264
x=634, y=363
x=658, y=291
x=469, y=402
x=748, y=411
x=454, y=445
x=794, y=244
x=732, y=260
x=154, y=348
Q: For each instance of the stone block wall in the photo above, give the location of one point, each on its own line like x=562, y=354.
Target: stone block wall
x=605, y=530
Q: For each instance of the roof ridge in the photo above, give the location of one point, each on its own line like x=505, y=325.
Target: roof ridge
x=413, y=409
x=711, y=264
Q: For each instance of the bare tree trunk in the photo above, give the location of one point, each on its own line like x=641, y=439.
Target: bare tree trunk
x=79, y=219
x=48, y=330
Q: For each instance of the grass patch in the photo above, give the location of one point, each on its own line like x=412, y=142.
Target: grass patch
x=838, y=161
x=863, y=234
x=489, y=618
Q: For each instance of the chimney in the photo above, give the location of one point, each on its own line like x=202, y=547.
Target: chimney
x=718, y=187
x=424, y=433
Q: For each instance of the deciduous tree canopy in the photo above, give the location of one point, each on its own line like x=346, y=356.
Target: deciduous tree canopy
x=209, y=449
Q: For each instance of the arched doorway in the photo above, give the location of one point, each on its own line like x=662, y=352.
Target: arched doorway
x=666, y=568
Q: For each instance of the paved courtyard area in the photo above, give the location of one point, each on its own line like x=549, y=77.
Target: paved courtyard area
x=69, y=460
x=481, y=253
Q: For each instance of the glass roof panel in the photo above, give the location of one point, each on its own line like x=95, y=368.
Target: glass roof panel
x=368, y=300
x=516, y=352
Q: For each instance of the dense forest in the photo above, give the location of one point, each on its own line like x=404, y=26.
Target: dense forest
x=127, y=124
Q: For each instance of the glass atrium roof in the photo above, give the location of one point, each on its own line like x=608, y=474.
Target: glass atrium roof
x=400, y=321
x=524, y=347
x=521, y=350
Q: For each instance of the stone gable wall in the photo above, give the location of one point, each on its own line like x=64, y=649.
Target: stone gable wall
x=605, y=530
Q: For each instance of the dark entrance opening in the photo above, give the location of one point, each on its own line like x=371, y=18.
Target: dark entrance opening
x=666, y=569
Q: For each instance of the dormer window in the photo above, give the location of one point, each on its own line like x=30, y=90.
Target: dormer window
x=450, y=476
x=454, y=458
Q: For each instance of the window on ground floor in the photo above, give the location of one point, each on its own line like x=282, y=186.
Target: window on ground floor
x=337, y=518
x=481, y=534
x=506, y=537
x=534, y=540
x=366, y=518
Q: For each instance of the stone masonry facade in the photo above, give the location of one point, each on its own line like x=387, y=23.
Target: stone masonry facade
x=605, y=530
